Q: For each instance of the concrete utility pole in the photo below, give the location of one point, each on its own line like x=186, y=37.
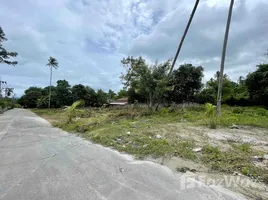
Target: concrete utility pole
x=183, y=36
x=223, y=57
x=4, y=88
x=1, y=86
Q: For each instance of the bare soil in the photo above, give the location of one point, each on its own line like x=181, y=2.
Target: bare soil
x=224, y=138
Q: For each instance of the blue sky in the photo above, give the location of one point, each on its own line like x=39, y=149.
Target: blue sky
x=90, y=37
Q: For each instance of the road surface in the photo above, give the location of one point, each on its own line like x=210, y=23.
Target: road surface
x=39, y=162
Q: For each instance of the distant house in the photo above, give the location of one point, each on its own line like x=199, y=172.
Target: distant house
x=119, y=102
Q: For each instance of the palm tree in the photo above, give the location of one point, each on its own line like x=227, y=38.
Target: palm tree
x=52, y=62
x=184, y=35
x=223, y=57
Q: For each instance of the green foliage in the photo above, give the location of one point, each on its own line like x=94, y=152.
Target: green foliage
x=111, y=95
x=134, y=130
x=257, y=84
x=63, y=93
x=121, y=94
x=150, y=81
x=101, y=98
x=238, y=110
x=80, y=92
x=262, y=112
x=211, y=114
x=4, y=54
x=71, y=110
x=186, y=82
x=52, y=62
x=151, y=84
x=17, y=105
x=6, y=103
x=236, y=159
x=30, y=97
x=2, y=104
x=42, y=102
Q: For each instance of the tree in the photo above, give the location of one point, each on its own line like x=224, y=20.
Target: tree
x=80, y=92
x=64, y=94
x=4, y=54
x=101, y=98
x=52, y=63
x=42, y=102
x=30, y=97
x=93, y=100
x=228, y=87
x=257, y=84
x=241, y=90
x=186, y=82
x=148, y=80
x=121, y=94
x=111, y=95
x=184, y=35
x=134, y=96
x=223, y=57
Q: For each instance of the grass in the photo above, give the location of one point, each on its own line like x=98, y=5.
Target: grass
x=143, y=133
x=247, y=116
x=237, y=159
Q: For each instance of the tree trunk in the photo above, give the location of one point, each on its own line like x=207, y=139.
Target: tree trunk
x=183, y=36
x=49, y=96
x=157, y=106
x=150, y=100
x=223, y=57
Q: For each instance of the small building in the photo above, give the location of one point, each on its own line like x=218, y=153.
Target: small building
x=119, y=102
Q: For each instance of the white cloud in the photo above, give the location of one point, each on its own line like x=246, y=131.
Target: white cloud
x=89, y=37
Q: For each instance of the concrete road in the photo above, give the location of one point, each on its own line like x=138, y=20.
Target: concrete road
x=40, y=162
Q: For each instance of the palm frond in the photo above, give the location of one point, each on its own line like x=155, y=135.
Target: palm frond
x=52, y=62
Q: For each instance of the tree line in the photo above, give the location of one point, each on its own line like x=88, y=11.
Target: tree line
x=152, y=84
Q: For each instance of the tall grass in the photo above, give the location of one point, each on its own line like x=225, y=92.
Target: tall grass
x=211, y=114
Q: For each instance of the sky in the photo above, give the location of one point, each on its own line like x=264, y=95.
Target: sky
x=90, y=37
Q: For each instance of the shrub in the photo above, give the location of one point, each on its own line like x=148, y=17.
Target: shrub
x=2, y=104
x=71, y=110
x=163, y=111
x=262, y=112
x=211, y=114
x=238, y=110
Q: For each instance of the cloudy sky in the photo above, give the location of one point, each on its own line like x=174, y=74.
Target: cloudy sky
x=90, y=37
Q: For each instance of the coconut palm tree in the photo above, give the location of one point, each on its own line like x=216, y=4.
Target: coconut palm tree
x=184, y=35
x=223, y=57
x=52, y=63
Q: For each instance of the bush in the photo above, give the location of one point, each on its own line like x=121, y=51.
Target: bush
x=238, y=110
x=262, y=112
x=2, y=104
x=211, y=114
x=239, y=102
x=16, y=105
x=163, y=111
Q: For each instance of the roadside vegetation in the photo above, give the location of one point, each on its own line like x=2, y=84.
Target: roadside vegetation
x=7, y=103
x=143, y=133
x=168, y=116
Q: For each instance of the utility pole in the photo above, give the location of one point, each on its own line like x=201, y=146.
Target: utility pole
x=219, y=96
x=1, y=86
x=4, y=88
x=183, y=36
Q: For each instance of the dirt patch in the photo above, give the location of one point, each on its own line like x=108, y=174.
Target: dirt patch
x=224, y=138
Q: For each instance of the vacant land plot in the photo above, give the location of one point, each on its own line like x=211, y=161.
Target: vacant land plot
x=181, y=139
